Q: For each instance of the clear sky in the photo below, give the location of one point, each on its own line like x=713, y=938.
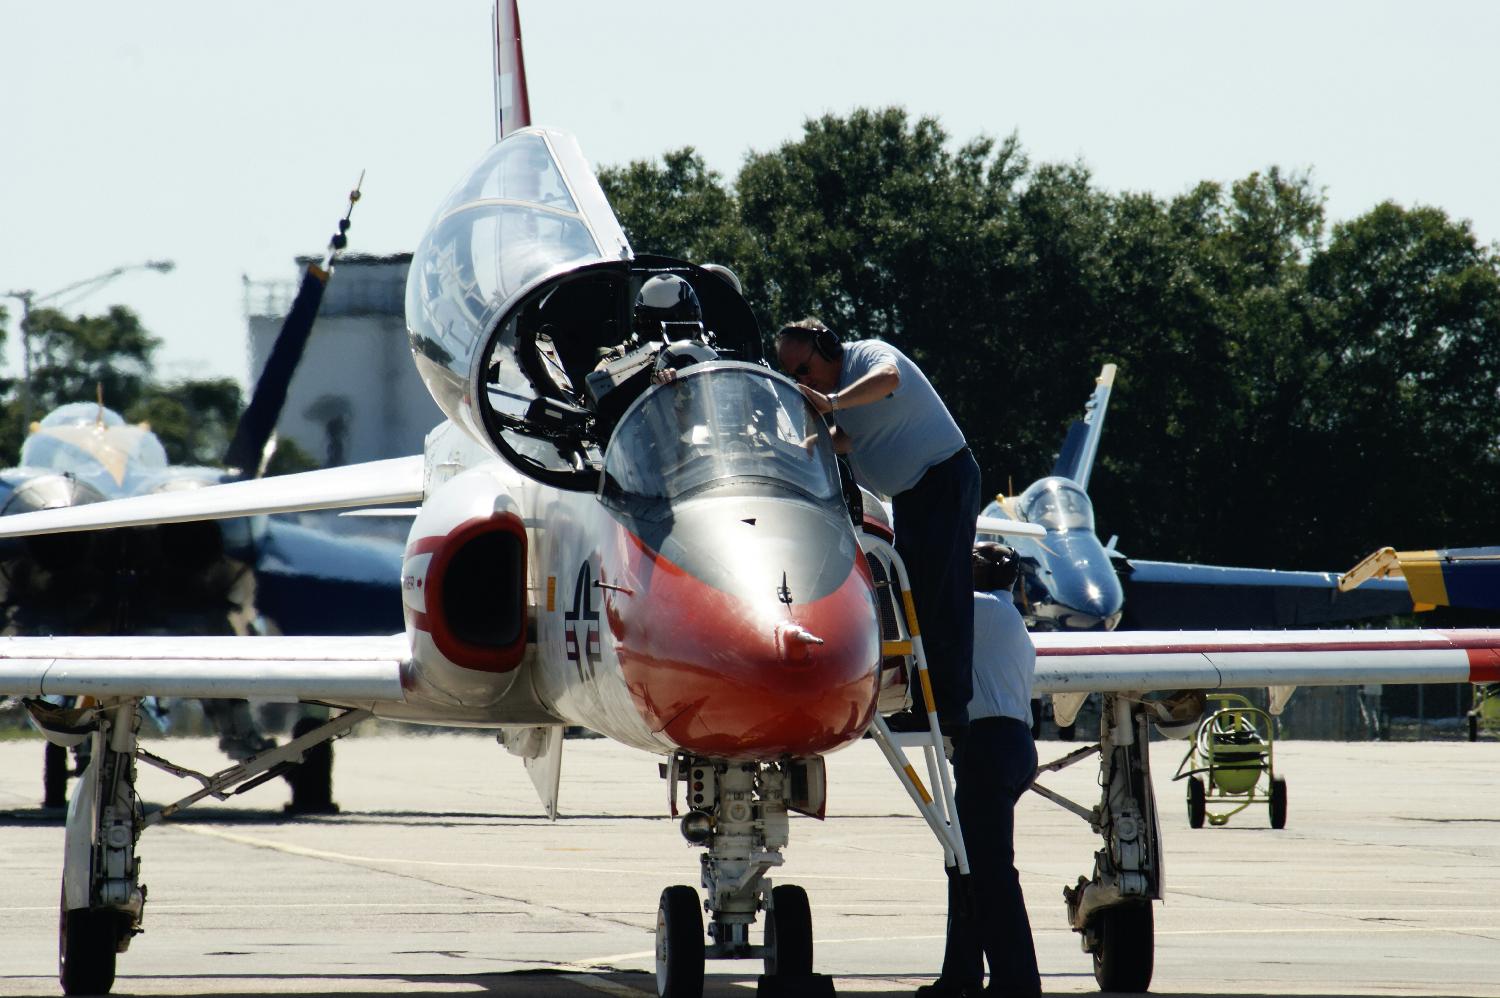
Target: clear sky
x=226, y=136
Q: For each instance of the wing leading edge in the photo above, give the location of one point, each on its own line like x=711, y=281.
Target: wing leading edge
x=335, y=669
x=398, y=480
x=1119, y=661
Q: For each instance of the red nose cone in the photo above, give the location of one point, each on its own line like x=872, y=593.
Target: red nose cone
x=722, y=677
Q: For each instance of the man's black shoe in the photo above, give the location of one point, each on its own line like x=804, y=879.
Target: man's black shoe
x=943, y=989
x=907, y=720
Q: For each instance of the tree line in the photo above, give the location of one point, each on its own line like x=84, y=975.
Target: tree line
x=1291, y=393
x=111, y=356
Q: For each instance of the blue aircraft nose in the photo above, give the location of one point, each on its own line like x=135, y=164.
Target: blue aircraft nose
x=1082, y=591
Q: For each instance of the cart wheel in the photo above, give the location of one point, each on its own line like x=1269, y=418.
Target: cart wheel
x=1124, y=956
x=679, y=944
x=1197, y=802
x=1278, y=803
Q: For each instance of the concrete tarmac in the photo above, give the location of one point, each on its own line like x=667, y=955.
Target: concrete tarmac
x=440, y=877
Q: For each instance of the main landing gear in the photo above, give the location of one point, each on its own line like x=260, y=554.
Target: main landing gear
x=103, y=899
x=1111, y=910
x=738, y=814
x=102, y=896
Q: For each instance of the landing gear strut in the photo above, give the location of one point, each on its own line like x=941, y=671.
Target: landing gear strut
x=739, y=815
x=102, y=897
x=1111, y=910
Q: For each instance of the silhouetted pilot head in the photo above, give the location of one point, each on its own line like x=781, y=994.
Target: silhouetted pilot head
x=729, y=276
x=996, y=567
x=667, y=308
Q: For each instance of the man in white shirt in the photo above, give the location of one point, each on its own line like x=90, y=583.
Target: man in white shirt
x=994, y=763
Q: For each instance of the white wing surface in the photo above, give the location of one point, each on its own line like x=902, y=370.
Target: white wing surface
x=1144, y=661
x=335, y=669
x=1009, y=528
x=398, y=480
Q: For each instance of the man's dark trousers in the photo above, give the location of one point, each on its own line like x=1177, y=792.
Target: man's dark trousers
x=993, y=764
x=935, y=538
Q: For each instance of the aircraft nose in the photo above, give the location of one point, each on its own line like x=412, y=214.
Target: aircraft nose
x=723, y=676
x=1085, y=585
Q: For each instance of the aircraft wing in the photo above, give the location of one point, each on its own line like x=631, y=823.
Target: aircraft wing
x=1144, y=661
x=335, y=669
x=1163, y=594
x=371, y=484
x=999, y=527
x=1465, y=577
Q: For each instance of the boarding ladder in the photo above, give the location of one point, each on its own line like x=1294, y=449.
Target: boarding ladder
x=901, y=639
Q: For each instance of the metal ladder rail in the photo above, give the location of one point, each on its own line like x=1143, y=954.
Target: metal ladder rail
x=941, y=813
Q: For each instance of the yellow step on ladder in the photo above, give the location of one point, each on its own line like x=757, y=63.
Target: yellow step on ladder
x=905, y=641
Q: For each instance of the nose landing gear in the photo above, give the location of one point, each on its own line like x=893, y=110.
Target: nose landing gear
x=744, y=806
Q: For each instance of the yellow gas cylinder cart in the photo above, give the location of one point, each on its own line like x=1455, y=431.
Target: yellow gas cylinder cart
x=1486, y=712
x=1231, y=763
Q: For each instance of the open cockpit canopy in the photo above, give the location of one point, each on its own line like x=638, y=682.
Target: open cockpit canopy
x=522, y=288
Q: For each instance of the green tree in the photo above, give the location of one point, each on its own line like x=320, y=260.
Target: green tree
x=194, y=419
x=74, y=358
x=1288, y=395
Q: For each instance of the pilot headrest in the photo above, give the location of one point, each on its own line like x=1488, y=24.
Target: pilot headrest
x=684, y=353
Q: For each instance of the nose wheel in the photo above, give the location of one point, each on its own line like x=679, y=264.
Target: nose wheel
x=789, y=936
x=679, y=944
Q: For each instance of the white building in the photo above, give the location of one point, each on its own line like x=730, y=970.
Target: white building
x=356, y=395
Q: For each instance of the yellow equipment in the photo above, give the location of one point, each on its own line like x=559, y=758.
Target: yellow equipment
x=1234, y=749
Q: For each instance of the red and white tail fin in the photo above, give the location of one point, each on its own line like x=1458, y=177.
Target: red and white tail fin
x=512, y=105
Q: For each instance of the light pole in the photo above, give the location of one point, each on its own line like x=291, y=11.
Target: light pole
x=88, y=285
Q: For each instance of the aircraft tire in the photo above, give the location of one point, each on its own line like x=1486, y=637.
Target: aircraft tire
x=1196, y=802
x=1278, y=803
x=88, y=941
x=679, y=944
x=789, y=935
x=55, y=777
x=1067, y=732
x=1126, y=952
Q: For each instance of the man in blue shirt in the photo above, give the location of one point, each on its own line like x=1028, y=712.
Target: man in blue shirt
x=993, y=765
x=902, y=443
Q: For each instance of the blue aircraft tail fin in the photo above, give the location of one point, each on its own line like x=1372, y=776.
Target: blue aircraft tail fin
x=1076, y=459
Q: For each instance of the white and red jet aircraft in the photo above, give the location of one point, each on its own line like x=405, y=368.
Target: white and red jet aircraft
x=672, y=560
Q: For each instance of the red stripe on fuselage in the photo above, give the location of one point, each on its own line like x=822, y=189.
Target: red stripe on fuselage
x=706, y=669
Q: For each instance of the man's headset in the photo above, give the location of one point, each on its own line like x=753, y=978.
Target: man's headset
x=824, y=340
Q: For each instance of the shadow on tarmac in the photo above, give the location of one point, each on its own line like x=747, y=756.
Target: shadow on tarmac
x=523, y=984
